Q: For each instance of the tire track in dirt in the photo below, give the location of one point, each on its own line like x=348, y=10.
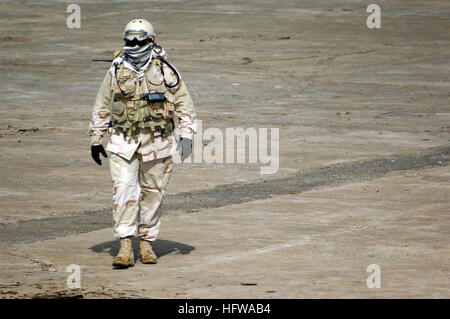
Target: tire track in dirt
x=230, y=194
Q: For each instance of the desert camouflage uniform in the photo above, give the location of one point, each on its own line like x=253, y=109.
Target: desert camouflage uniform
x=141, y=165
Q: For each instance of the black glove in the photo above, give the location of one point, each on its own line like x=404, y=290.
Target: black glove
x=95, y=152
x=186, y=145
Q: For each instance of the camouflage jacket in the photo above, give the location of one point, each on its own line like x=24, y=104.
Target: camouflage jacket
x=150, y=145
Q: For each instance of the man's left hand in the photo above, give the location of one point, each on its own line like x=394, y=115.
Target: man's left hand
x=186, y=147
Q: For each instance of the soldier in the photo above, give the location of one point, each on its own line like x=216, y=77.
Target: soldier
x=148, y=112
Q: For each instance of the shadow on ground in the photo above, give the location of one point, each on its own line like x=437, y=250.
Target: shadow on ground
x=160, y=247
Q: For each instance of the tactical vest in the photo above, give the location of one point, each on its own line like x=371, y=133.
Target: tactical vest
x=142, y=102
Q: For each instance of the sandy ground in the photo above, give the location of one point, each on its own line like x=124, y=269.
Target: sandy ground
x=338, y=92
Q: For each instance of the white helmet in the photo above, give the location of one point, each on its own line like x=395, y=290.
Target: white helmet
x=139, y=29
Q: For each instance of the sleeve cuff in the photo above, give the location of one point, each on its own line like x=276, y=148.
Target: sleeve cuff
x=96, y=139
x=187, y=133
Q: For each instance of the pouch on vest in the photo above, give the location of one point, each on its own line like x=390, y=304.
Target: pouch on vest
x=118, y=112
x=126, y=85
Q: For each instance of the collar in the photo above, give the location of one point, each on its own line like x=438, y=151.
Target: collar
x=142, y=70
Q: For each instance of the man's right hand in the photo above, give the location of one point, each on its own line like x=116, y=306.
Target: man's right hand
x=95, y=152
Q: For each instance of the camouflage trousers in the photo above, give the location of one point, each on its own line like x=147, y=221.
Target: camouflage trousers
x=137, y=195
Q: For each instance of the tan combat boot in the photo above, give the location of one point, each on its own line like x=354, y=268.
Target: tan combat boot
x=125, y=257
x=148, y=256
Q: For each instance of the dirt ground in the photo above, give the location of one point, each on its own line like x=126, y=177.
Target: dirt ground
x=348, y=101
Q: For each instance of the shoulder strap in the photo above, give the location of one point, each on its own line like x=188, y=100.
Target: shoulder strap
x=113, y=90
